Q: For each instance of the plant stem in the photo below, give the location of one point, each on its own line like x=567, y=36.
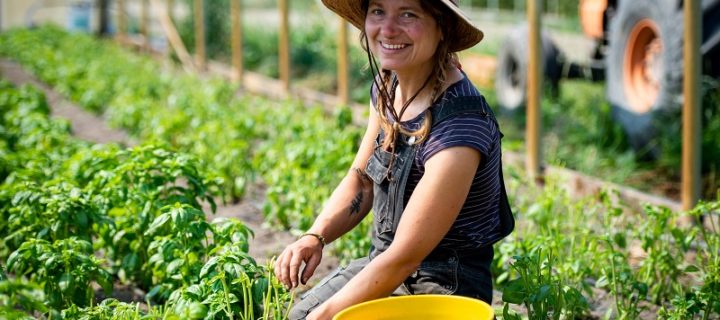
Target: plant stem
x=227, y=308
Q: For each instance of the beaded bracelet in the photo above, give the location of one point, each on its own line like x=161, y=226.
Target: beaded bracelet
x=317, y=236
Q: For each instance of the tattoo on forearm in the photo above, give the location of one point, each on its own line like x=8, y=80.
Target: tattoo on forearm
x=355, y=205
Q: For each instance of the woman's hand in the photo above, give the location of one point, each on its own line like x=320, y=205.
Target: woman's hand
x=306, y=250
x=322, y=312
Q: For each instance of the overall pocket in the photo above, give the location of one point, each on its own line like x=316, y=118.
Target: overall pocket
x=435, y=277
x=377, y=170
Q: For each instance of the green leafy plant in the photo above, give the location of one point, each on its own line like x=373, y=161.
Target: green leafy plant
x=539, y=290
x=65, y=269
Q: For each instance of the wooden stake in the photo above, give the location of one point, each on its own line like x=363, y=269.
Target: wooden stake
x=173, y=37
x=284, y=46
x=343, y=65
x=534, y=81
x=692, y=125
x=121, y=21
x=200, y=56
x=145, y=24
x=237, y=36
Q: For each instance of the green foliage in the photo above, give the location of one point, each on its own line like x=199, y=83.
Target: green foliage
x=141, y=208
x=232, y=285
x=64, y=268
x=20, y=299
x=592, y=247
x=541, y=291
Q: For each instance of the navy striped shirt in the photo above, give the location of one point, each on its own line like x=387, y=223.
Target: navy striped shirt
x=478, y=222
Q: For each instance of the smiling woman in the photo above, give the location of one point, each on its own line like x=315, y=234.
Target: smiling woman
x=429, y=167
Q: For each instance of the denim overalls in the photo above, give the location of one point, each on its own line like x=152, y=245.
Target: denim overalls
x=445, y=270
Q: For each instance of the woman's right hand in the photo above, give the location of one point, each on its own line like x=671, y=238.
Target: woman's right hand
x=307, y=250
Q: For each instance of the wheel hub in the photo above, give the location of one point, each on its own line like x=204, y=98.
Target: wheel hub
x=643, y=66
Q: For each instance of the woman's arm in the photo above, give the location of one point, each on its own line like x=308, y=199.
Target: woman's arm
x=347, y=206
x=430, y=212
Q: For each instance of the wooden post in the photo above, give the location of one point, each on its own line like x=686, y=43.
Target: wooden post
x=284, y=46
x=343, y=65
x=692, y=125
x=145, y=24
x=237, y=52
x=171, y=9
x=200, y=56
x=173, y=37
x=534, y=81
x=121, y=21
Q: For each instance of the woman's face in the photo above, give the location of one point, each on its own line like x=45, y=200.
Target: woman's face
x=401, y=34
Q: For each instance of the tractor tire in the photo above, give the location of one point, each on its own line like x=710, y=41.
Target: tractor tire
x=644, y=69
x=511, y=72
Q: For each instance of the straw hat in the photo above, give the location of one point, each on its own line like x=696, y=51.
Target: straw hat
x=465, y=34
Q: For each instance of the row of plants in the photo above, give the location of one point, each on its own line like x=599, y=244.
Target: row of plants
x=77, y=218
x=594, y=257
x=551, y=266
x=238, y=137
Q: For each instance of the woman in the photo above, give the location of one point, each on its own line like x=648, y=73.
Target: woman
x=428, y=166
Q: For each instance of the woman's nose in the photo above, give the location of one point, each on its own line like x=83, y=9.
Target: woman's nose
x=389, y=27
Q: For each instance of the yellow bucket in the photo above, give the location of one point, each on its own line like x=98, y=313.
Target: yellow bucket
x=419, y=307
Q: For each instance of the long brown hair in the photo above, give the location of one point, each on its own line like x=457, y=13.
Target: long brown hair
x=444, y=61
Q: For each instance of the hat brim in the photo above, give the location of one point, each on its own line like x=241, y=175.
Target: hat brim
x=466, y=34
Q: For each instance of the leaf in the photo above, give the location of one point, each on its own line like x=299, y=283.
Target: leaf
x=509, y=315
x=208, y=267
x=157, y=223
x=544, y=293
x=692, y=268
x=514, y=292
x=65, y=281
x=174, y=265
x=602, y=282
x=197, y=310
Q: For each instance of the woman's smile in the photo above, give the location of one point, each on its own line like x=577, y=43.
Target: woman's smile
x=393, y=47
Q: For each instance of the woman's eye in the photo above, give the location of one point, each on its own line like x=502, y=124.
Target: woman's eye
x=376, y=12
x=408, y=15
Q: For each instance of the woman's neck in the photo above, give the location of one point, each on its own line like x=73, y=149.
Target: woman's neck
x=410, y=82
x=408, y=85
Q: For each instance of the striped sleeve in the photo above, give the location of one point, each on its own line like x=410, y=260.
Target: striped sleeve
x=466, y=130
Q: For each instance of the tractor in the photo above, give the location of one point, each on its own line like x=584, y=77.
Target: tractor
x=638, y=53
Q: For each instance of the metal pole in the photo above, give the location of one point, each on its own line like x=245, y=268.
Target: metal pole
x=534, y=81
x=237, y=56
x=343, y=74
x=692, y=125
x=284, y=46
x=200, y=56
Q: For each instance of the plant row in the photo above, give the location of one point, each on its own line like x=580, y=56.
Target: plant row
x=298, y=152
x=77, y=218
x=568, y=256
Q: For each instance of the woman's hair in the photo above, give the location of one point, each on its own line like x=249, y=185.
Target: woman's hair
x=383, y=79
